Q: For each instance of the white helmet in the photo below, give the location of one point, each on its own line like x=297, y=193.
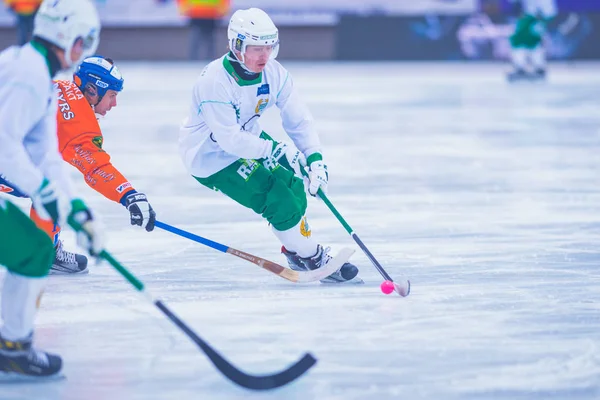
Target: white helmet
x=62, y=22
x=252, y=27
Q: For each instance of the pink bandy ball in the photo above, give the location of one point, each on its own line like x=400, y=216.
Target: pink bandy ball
x=387, y=287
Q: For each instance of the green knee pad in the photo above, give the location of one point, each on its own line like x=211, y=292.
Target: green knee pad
x=24, y=248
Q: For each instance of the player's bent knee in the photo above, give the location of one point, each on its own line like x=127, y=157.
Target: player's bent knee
x=283, y=208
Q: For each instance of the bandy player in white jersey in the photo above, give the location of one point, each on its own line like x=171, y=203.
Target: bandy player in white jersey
x=65, y=31
x=224, y=148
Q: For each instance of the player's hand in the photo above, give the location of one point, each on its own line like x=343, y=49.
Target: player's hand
x=89, y=235
x=286, y=156
x=140, y=211
x=49, y=203
x=317, y=177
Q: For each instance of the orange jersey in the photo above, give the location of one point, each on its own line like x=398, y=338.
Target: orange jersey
x=80, y=143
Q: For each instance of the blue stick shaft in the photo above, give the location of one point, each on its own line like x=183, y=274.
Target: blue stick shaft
x=191, y=236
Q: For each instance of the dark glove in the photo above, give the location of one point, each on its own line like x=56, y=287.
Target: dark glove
x=140, y=211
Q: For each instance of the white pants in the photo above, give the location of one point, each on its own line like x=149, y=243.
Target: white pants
x=20, y=298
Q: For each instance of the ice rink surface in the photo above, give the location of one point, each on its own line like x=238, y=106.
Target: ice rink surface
x=487, y=196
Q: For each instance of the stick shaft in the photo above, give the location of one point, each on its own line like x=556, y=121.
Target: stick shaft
x=285, y=273
x=189, y=235
x=351, y=232
x=371, y=257
x=254, y=382
x=123, y=271
x=404, y=288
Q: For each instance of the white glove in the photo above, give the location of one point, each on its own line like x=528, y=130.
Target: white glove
x=89, y=235
x=286, y=156
x=50, y=204
x=317, y=177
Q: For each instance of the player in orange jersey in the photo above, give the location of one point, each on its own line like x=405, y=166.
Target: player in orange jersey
x=92, y=92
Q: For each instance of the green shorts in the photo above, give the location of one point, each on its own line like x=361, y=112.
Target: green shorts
x=271, y=191
x=24, y=248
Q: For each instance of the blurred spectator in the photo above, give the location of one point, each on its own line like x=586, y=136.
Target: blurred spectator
x=25, y=11
x=203, y=15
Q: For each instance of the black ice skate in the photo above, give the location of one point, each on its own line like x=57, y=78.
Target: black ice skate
x=518, y=74
x=20, y=361
x=539, y=74
x=66, y=262
x=348, y=273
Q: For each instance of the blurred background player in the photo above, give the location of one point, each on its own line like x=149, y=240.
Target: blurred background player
x=203, y=17
x=25, y=11
x=224, y=148
x=65, y=30
x=93, y=92
x=527, y=49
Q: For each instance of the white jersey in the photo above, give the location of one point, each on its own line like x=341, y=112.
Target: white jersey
x=28, y=141
x=547, y=8
x=223, y=122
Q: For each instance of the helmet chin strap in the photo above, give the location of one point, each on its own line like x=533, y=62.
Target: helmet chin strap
x=91, y=93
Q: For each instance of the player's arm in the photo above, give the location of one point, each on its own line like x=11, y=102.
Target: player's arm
x=220, y=117
x=85, y=153
x=296, y=118
x=47, y=184
x=299, y=125
x=18, y=105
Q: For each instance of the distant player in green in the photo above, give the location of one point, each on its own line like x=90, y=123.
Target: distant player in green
x=528, y=53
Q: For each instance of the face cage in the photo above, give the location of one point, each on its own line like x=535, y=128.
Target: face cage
x=240, y=45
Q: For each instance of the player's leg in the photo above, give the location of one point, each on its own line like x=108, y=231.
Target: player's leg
x=280, y=198
x=523, y=41
x=545, y=10
x=27, y=253
x=538, y=61
x=65, y=262
x=305, y=257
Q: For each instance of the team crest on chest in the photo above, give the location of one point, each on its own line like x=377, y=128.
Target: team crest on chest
x=261, y=105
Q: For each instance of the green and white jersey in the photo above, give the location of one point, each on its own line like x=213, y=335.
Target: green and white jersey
x=28, y=106
x=545, y=9
x=223, y=121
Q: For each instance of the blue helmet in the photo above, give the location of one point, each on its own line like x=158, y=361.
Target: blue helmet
x=100, y=72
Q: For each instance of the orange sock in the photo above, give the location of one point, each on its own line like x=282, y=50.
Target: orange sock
x=47, y=226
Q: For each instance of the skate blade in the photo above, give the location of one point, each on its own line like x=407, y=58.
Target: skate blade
x=68, y=272
x=331, y=267
x=354, y=281
x=13, y=377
